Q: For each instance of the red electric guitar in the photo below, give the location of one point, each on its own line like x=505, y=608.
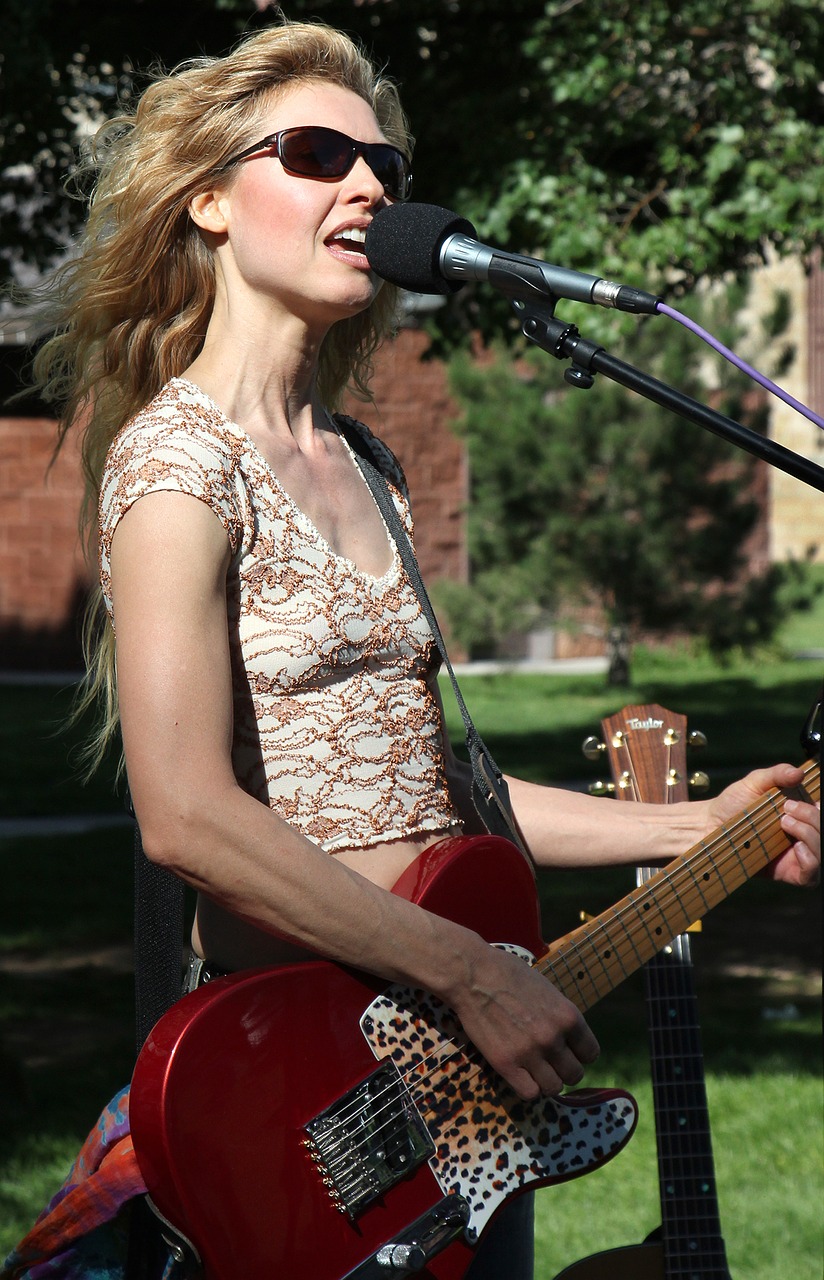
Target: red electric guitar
x=646, y=748
x=309, y=1121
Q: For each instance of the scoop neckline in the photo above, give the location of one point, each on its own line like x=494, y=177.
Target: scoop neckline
x=306, y=520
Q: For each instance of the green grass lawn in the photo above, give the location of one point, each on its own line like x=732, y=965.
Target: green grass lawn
x=769, y=1188
x=752, y=712
x=67, y=1035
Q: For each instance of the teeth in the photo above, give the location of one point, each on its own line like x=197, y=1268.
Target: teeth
x=354, y=233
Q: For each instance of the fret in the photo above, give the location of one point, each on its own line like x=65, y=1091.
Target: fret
x=676, y=1119
x=678, y=1073
x=694, y=1192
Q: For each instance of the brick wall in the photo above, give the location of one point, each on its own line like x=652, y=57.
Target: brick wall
x=411, y=414
x=43, y=580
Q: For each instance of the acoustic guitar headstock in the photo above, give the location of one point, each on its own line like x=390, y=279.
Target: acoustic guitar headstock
x=646, y=747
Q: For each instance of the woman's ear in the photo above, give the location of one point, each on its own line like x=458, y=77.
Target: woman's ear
x=209, y=211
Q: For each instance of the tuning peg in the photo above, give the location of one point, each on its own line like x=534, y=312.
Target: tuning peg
x=601, y=788
x=696, y=738
x=593, y=748
x=699, y=781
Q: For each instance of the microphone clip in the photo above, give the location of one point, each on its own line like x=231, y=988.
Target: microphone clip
x=578, y=377
x=560, y=339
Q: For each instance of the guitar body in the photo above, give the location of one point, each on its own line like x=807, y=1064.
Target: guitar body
x=632, y=1262
x=311, y=1121
x=297, y=1121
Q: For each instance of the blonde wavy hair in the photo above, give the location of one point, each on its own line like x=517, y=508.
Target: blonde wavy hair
x=129, y=310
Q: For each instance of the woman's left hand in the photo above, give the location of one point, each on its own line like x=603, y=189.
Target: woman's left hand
x=800, y=864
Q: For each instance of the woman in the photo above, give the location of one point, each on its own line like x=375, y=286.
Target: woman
x=275, y=678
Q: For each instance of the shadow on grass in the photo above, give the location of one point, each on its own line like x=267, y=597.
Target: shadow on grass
x=40, y=765
x=746, y=726
x=66, y=985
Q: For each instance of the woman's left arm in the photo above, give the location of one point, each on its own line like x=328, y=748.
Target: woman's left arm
x=570, y=829
x=565, y=828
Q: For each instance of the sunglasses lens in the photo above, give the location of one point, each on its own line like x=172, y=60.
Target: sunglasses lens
x=316, y=152
x=390, y=169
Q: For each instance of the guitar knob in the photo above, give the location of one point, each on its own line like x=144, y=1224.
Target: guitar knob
x=699, y=781
x=601, y=788
x=696, y=738
x=403, y=1259
x=593, y=748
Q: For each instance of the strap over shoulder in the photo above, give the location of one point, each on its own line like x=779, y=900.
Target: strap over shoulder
x=490, y=793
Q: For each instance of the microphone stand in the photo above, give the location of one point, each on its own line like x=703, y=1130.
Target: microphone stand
x=539, y=325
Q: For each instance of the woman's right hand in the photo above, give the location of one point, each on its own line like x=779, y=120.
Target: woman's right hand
x=525, y=1028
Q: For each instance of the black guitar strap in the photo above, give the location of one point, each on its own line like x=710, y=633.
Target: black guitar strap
x=490, y=793
x=158, y=940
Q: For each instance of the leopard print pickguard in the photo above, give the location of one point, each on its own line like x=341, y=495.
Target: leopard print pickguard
x=488, y=1143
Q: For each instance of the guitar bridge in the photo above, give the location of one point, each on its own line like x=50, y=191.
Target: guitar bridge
x=368, y=1140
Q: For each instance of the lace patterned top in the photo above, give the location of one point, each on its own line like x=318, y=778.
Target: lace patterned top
x=336, y=726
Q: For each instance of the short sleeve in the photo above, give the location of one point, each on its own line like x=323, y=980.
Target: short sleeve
x=151, y=456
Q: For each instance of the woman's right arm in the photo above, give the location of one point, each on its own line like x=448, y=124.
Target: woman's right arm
x=169, y=557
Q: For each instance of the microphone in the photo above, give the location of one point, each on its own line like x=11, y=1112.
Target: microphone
x=427, y=249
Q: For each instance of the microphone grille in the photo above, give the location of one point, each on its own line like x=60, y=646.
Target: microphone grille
x=403, y=243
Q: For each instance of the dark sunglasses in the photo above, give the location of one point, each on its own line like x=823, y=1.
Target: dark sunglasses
x=313, y=151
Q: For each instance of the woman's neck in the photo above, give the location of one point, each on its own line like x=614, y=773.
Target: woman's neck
x=264, y=387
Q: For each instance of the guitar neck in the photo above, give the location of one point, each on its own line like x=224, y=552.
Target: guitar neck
x=597, y=957
x=690, y=1221
x=648, y=755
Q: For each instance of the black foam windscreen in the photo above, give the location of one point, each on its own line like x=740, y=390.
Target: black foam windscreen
x=403, y=245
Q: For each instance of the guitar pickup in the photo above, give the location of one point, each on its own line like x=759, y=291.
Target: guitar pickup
x=368, y=1140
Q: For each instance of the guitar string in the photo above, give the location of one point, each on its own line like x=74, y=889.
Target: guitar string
x=724, y=839
x=682, y=875
x=684, y=1181
x=691, y=1105
x=693, y=1211
x=685, y=1097
x=687, y=1177
x=678, y=880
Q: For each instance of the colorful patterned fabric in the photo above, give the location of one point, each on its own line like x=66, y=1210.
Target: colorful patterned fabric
x=82, y=1234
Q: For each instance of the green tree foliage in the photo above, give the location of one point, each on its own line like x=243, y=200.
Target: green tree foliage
x=65, y=65
x=648, y=142
x=631, y=139
x=599, y=497
x=656, y=143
